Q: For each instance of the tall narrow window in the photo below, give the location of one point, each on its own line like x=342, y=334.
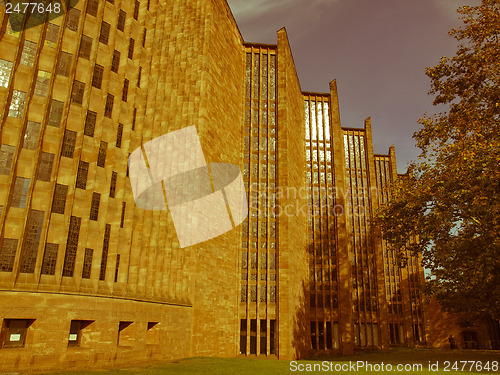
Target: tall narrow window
x=6, y=155
x=17, y=102
x=85, y=47
x=253, y=336
x=64, y=65
x=92, y=7
x=105, y=248
x=81, y=177
x=42, y=83
x=71, y=246
x=119, y=134
x=139, y=77
x=128, y=158
x=29, y=53
x=5, y=71
x=45, y=166
x=97, y=77
x=108, y=109
x=136, y=10
x=73, y=19
x=90, y=121
x=20, y=192
x=14, y=24
x=131, y=48
x=94, y=207
x=78, y=90
x=125, y=90
x=55, y=114
x=272, y=328
x=122, y=218
x=117, y=267
x=69, y=142
x=31, y=135
x=8, y=254
x=115, y=62
x=31, y=241
x=51, y=35
x=101, y=157
x=144, y=38
x=112, y=188
x=263, y=336
x=87, y=263
x=59, y=201
x=104, y=35
x=134, y=117
x=243, y=336
x=121, y=20
x=49, y=259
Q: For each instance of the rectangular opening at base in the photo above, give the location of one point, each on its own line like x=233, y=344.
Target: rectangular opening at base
x=76, y=332
x=153, y=333
x=14, y=331
x=126, y=333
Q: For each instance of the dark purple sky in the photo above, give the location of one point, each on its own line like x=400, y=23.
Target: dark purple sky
x=377, y=50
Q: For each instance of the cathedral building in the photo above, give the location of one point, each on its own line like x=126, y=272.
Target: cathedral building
x=91, y=277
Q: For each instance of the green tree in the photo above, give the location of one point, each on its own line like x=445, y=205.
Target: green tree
x=448, y=205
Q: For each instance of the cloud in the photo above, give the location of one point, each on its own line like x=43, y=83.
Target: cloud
x=260, y=19
x=449, y=7
x=247, y=10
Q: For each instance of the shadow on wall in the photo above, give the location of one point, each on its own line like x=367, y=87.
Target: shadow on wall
x=483, y=333
x=301, y=342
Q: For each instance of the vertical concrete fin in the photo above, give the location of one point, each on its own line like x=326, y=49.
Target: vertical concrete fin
x=377, y=239
x=394, y=167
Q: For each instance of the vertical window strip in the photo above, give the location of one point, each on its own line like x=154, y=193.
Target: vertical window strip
x=105, y=248
x=71, y=246
x=87, y=263
x=31, y=241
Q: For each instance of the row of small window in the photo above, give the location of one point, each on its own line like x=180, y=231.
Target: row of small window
x=263, y=229
x=18, y=102
x=320, y=286
x=362, y=308
x=264, y=169
x=253, y=244
x=317, y=122
x=27, y=262
x=15, y=331
x=98, y=76
x=325, y=335
x=93, y=7
x=266, y=118
x=262, y=334
x=328, y=301
x=263, y=261
x=320, y=274
x=253, y=293
x=253, y=276
x=262, y=129
x=320, y=155
x=263, y=143
x=260, y=80
x=47, y=159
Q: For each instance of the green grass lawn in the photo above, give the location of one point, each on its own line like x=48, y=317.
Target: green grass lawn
x=394, y=357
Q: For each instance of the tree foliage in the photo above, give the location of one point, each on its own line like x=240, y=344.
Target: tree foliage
x=450, y=199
